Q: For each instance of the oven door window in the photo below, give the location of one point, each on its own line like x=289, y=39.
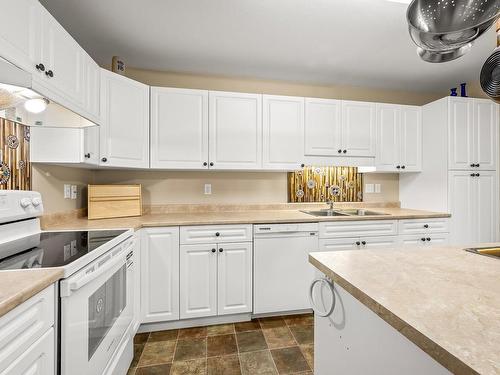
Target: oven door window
x=105, y=307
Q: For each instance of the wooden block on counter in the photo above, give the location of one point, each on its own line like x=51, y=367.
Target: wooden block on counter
x=110, y=201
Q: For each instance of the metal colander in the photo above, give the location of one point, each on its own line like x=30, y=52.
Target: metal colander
x=445, y=29
x=490, y=73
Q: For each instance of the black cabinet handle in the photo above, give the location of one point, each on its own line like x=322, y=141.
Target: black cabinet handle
x=426, y=226
x=221, y=250
x=205, y=164
x=422, y=239
x=398, y=166
x=403, y=166
x=87, y=155
x=345, y=151
x=104, y=160
x=217, y=234
x=49, y=73
x=211, y=163
x=339, y=151
x=473, y=165
x=358, y=243
x=428, y=239
x=472, y=174
x=363, y=243
x=213, y=250
x=477, y=175
x=40, y=67
x=302, y=165
x=477, y=165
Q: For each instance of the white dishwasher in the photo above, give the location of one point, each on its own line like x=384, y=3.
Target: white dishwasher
x=282, y=273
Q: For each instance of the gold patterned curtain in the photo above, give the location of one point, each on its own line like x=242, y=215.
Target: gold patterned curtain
x=15, y=166
x=320, y=184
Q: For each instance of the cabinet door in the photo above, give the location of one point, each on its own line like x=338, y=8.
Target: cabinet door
x=283, y=129
x=92, y=80
x=124, y=130
x=338, y=244
x=91, y=145
x=322, y=128
x=358, y=128
x=198, y=281
x=235, y=125
x=460, y=140
x=159, y=274
x=179, y=128
x=461, y=203
x=388, y=137
x=46, y=145
x=485, y=134
x=38, y=359
x=20, y=33
x=410, y=139
x=381, y=242
x=485, y=201
x=234, y=278
x=63, y=60
x=137, y=282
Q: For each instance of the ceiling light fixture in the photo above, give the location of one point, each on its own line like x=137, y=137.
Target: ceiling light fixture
x=37, y=105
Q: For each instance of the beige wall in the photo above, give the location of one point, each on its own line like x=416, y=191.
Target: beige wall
x=227, y=187
x=50, y=179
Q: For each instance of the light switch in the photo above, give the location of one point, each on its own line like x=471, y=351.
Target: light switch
x=67, y=191
x=378, y=188
x=74, y=191
x=208, y=189
x=368, y=188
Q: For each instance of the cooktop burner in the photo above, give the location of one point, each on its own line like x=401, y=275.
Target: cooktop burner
x=52, y=249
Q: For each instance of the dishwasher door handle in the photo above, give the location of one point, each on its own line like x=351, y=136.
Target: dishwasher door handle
x=329, y=284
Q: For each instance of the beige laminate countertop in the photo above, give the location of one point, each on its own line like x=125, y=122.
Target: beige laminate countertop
x=17, y=286
x=231, y=217
x=444, y=299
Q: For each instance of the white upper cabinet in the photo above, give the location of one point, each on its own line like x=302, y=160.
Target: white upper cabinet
x=179, y=128
x=92, y=81
x=124, y=130
x=485, y=134
x=410, y=139
x=399, y=138
x=235, y=125
x=20, y=33
x=358, y=128
x=322, y=132
x=461, y=139
x=283, y=129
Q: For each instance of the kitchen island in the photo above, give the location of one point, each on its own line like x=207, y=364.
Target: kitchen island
x=409, y=311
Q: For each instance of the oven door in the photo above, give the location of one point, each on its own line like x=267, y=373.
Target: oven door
x=96, y=312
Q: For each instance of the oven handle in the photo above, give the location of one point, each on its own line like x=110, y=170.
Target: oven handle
x=69, y=286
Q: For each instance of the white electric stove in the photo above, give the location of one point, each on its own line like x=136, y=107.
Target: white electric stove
x=96, y=292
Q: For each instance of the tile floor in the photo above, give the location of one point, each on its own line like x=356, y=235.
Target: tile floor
x=278, y=345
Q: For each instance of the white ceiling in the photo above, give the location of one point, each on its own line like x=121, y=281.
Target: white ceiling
x=351, y=42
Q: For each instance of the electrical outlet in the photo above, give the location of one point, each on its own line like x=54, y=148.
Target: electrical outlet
x=378, y=188
x=74, y=191
x=208, y=189
x=368, y=188
x=67, y=191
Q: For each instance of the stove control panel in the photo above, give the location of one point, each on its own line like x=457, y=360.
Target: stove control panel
x=19, y=204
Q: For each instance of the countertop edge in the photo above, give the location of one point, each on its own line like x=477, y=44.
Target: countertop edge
x=437, y=352
x=24, y=294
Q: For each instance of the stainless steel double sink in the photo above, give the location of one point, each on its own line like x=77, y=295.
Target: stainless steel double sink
x=345, y=212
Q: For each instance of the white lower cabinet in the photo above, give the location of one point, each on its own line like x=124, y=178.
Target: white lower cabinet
x=425, y=239
x=136, y=282
x=159, y=274
x=215, y=279
x=358, y=243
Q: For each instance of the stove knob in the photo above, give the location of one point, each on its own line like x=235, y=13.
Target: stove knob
x=36, y=202
x=25, y=202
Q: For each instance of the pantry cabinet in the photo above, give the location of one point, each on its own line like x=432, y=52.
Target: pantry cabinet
x=124, y=130
x=473, y=205
x=473, y=130
x=159, y=267
x=283, y=129
x=235, y=125
x=179, y=128
x=399, y=138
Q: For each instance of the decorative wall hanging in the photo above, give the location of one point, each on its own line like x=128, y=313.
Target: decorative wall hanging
x=15, y=166
x=320, y=184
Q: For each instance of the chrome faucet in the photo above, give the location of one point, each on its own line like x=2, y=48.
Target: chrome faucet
x=329, y=202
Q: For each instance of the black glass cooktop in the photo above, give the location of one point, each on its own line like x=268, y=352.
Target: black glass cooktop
x=52, y=249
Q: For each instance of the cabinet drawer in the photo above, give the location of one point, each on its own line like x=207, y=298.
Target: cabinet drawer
x=216, y=233
x=424, y=226
x=338, y=244
x=341, y=229
x=24, y=325
x=426, y=240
